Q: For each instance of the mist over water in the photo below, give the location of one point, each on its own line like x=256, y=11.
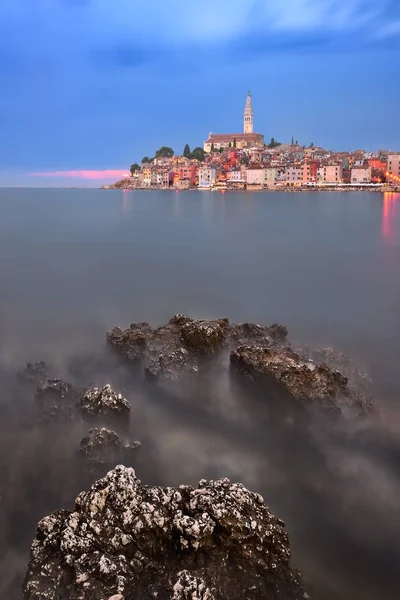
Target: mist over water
x=74, y=263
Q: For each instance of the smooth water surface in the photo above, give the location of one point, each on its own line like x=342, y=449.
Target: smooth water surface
x=75, y=262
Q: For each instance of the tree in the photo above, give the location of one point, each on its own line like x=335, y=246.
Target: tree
x=212, y=147
x=234, y=142
x=186, y=151
x=273, y=143
x=292, y=140
x=198, y=154
x=297, y=142
x=145, y=160
x=230, y=145
x=312, y=145
x=164, y=152
x=134, y=167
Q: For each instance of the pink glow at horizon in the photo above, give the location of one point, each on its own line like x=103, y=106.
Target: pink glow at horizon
x=85, y=174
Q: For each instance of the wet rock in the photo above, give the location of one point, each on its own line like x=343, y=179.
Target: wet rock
x=33, y=374
x=105, y=404
x=102, y=449
x=56, y=400
x=126, y=540
x=187, y=346
x=283, y=375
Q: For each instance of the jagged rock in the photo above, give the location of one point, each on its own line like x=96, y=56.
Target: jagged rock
x=105, y=403
x=126, y=540
x=284, y=375
x=34, y=373
x=56, y=400
x=187, y=346
x=102, y=449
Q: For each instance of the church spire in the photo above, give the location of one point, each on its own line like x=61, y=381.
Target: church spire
x=248, y=115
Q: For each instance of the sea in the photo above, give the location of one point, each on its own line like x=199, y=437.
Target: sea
x=76, y=262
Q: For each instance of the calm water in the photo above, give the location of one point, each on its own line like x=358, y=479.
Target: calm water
x=75, y=262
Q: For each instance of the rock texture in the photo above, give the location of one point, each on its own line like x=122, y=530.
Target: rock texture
x=105, y=403
x=284, y=375
x=187, y=346
x=33, y=373
x=102, y=449
x=126, y=541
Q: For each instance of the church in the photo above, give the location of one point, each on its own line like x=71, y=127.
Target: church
x=239, y=140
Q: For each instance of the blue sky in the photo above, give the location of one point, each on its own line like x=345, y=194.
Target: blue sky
x=98, y=84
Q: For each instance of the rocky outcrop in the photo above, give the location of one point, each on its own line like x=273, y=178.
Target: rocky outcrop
x=282, y=375
x=106, y=404
x=56, y=400
x=102, y=449
x=127, y=541
x=187, y=346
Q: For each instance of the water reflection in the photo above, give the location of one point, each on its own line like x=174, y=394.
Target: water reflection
x=389, y=213
x=126, y=201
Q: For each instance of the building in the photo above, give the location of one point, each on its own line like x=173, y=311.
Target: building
x=393, y=168
x=309, y=171
x=330, y=174
x=293, y=174
x=255, y=176
x=237, y=140
x=207, y=176
x=361, y=175
x=270, y=176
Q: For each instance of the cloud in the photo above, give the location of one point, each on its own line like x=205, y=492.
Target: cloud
x=388, y=30
x=84, y=174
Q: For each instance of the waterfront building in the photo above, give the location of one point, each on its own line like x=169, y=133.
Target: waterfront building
x=330, y=174
x=207, y=176
x=237, y=140
x=361, y=174
x=255, y=176
x=393, y=167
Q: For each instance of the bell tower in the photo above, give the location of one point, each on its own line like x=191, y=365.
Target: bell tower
x=248, y=116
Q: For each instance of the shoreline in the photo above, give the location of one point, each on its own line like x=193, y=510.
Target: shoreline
x=381, y=189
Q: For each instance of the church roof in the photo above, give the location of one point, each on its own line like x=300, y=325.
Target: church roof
x=248, y=107
x=221, y=137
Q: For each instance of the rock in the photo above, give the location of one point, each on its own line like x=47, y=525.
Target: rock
x=102, y=449
x=34, y=373
x=126, y=539
x=282, y=375
x=56, y=400
x=187, y=346
x=105, y=404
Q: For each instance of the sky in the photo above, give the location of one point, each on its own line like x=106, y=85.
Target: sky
x=90, y=86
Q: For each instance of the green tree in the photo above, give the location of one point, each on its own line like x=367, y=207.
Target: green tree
x=164, y=152
x=212, y=147
x=198, y=154
x=312, y=145
x=229, y=145
x=186, y=151
x=145, y=160
x=234, y=142
x=134, y=167
x=292, y=141
x=297, y=142
x=273, y=143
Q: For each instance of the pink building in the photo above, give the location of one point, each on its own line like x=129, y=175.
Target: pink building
x=393, y=168
x=330, y=174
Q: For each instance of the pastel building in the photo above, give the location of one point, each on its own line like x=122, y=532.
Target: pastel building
x=393, y=167
x=330, y=174
x=361, y=175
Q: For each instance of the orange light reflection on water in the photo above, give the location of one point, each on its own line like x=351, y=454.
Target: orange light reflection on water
x=391, y=201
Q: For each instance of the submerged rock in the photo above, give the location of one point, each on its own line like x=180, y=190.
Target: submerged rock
x=128, y=541
x=282, y=375
x=33, y=374
x=56, y=400
x=102, y=449
x=105, y=403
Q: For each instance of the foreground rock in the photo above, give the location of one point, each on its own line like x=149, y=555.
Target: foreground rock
x=126, y=541
x=106, y=404
x=187, y=346
x=102, y=449
x=33, y=374
x=283, y=375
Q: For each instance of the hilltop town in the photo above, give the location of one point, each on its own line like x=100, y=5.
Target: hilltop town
x=243, y=161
